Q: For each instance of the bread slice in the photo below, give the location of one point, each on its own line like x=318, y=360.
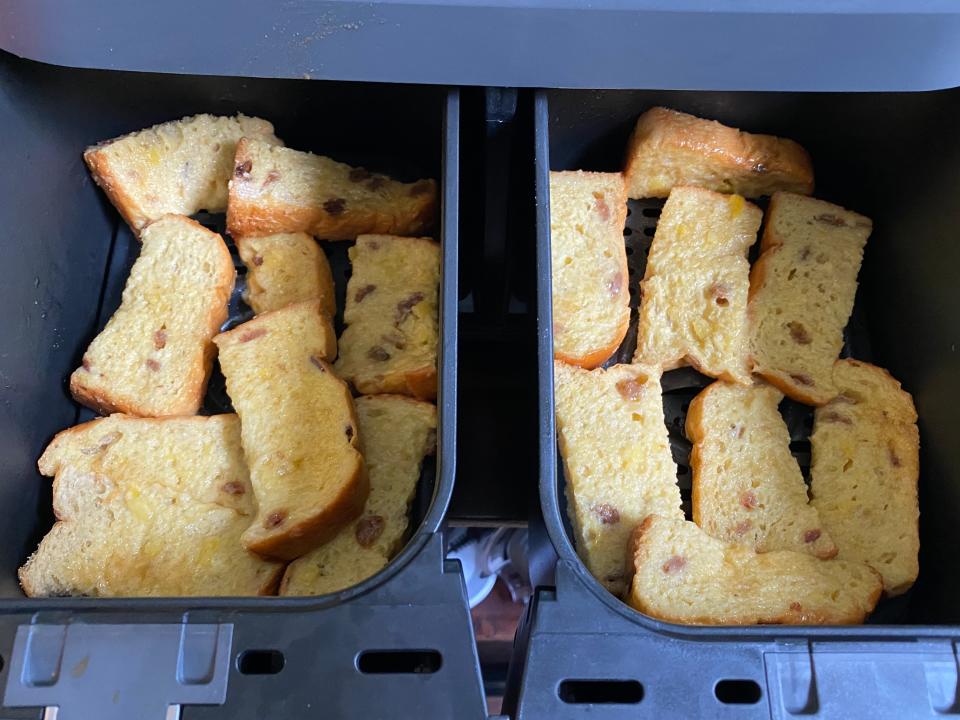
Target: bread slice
x=148, y=507
x=278, y=190
x=591, y=296
x=747, y=487
x=865, y=471
x=396, y=433
x=694, y=293
x=683, y=575
x=154, y=356
x=284, y=269
x=391, y=314
x=670, y=148
x=617, y=460
x=299, y=429
x=178, y=167
x=802, y=290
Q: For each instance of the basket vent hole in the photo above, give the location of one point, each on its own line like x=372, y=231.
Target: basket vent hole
x=600, y=692
x=260, y=662
x=737, y=692
x=399, y=662
x=651, y=212
x=649, y=231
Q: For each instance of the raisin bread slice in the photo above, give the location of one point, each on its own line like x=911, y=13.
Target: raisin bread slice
x=694, y=293
x=178, y=167
x=802, y=290
x=278, y=190
x=396, y=433
x=591, y=298
x=284, y=269
x=617, y=460
x=747, y=487
x=392, y=317
x=153, y=357
x=299, y=429
x=683, y=575
x=148, y=507
x=670, y=148
x=865, y=470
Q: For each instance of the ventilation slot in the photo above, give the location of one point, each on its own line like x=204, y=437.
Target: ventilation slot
x=260, y=662
x=398, y=662
x=737, y=692
x=600, y=692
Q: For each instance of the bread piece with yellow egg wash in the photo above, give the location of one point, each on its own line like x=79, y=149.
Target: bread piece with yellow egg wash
x=178, y=167
x=693, y=308
x=299, y=429
x=148, y=506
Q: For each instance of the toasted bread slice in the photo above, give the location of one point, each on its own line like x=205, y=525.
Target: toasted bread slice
x=299, y=429
x=694, y=293
x=392, y=317
x=396, y=433
x=278, y=190
x=670, y=148
x=865, y=470
x=747, y=487
x=683, y=575
x=154, y=356
x=802, y=290
x=148, y=507
x=591, y=296
x=285, y=269
x=616, y=458
x=178, y=167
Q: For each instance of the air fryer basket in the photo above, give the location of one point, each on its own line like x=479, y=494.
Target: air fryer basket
x=580, y=650
x=66, y=257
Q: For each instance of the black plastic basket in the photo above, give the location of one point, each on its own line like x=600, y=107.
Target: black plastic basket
x=581, y=651
x=401, y=639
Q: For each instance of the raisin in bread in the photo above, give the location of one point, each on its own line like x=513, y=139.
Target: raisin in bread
x=391, y=314
x=802, y=290
x=284, y=269
x=670, y=148
x=683, y=575
x=616, y=458
x=299, y=429
x=396, y=433
x=148, y=507
x=178, y=167
x=153, y=357
x=591, y=298
x=693, y=308
x=278, y=190
x=747, y=487
x=864, y=474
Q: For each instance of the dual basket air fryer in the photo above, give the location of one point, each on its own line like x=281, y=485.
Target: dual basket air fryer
x=401, y=644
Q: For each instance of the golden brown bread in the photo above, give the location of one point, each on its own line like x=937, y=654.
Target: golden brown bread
x=148, y=507
x=298, y=427
x=591, y=298
x=279, y=190
x=396, y=433
x=683, y=575
x=670, y=148
x=802, y=290
x=694, y=292
x=865, y=469
x=154, y=356
x=178, y=167
x=392, y=317
x=747, y=486
x=284, y=269
x=616, y=458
